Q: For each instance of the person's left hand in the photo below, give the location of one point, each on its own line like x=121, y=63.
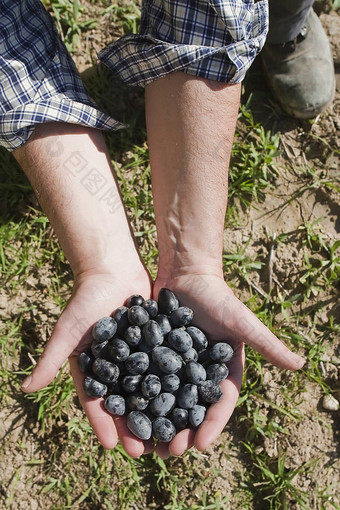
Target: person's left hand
x=223, y=318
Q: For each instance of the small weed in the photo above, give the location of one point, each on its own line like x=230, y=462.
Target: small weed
x=313, y=179
x=252, y=165
x=321, y=272
x=135, y=184
x=127, y=16
x=275, y=483
x=54, y=400
x=326, y=496
x=69, y=16
x=241, y=263
x=208, y=502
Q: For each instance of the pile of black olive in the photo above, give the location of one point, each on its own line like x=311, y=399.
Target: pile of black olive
x=150, y=364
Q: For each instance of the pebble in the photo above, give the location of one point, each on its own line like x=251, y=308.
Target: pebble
x=330, y=403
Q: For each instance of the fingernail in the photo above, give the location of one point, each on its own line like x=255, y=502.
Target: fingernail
x=298, y=360
x=26, y=382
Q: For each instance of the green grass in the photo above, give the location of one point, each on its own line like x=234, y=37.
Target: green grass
x=133, y=175
x=69, y=18
x=73, y=19
x=276, y=482
x=253, y=163
x=267, y=480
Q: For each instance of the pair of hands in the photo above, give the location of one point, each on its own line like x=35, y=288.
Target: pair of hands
x=216, y=310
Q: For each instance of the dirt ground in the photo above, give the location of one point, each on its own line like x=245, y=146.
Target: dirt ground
x=312, y=437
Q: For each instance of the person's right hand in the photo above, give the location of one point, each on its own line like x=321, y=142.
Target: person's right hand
x=94, y=296
x=70, y=170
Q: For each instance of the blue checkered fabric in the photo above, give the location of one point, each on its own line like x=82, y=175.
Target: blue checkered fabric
x=213, y=39
x=38, y=79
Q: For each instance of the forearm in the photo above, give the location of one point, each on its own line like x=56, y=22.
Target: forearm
x=70, y=171
x=191, y=124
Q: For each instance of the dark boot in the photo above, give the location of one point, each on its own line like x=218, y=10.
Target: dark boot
x=301, y=72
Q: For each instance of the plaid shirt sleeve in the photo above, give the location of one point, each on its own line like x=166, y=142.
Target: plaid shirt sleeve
x=213, y=39
x=38, y=79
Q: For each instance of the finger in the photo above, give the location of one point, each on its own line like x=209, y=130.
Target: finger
x=162, y=450
x=222, y=315
x=66, y=335
x=132, y=445
x=254, y=333
x=71, y=332
x=149, y=446
x=107, y=428
x=233, y=321
x=101, y=422
x=182, y=442
x=219, y=413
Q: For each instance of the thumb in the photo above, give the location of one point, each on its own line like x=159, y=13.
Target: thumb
x=254, y=333
x=69, y=330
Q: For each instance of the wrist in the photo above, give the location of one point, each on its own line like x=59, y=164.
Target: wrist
x=175, y=263
x=71, y=173
x=122, y=276
x=189, y=250
x=122, y=261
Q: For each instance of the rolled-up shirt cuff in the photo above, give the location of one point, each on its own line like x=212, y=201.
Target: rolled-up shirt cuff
x=215, y=39
x=38, y=79
x=17, y=125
